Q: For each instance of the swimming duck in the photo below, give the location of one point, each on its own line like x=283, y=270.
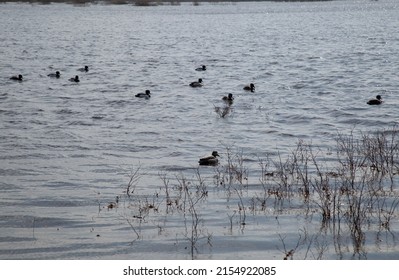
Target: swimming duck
x=76, y=79
x=229, y=98
x=85, y=69
x=54, y=75
x=196, y=84
x=376, y=101
x=250, y=87
x=16, y=78
x=210, y=160
x=146, y=94
x=202, y=68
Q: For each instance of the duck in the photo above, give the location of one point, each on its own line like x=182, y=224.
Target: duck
x=210, y=160
x=146, y=94
x=54, y=75
x=229, y=98
x=196, y=84
x=202, y=68
x=250, y=87
x=76, y=79
x=84, y=69
x=16, y=78
x=376, y=101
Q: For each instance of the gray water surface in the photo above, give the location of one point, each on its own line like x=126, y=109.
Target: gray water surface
x=68, y=150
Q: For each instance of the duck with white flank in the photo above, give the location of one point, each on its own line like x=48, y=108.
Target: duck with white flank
x=376, y=101
x=196, y=84
x=250, y=87
x=76, y=79
x=202, y=68
x=16, y=78
x=210, y=160
x=146, y=94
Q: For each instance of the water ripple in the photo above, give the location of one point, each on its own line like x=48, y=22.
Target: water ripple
x=66, y=149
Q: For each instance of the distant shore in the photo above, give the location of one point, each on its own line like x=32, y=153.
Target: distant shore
x=147, y=2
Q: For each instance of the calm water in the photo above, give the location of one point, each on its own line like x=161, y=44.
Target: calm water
x=67, y=150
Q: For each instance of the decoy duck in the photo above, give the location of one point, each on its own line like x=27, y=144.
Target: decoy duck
x=196, y=84
x=376, y=101
x=250, y=87
x=210, y=160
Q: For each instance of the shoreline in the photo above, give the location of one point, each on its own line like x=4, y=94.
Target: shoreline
x=148, y=2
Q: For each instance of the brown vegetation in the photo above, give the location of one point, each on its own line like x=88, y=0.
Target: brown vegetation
x=352, y=194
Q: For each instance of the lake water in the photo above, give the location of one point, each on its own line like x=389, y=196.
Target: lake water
x=68, y=150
